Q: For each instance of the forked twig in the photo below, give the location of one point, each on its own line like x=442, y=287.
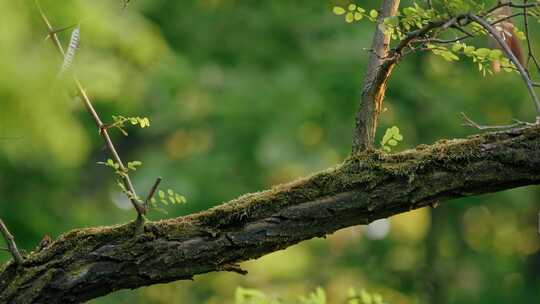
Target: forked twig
x=470, y=123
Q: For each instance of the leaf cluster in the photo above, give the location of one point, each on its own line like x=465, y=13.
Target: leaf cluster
x=354, y=13
x=165, y=198
x=391, y=138
x=120, y=122
x=254, y=296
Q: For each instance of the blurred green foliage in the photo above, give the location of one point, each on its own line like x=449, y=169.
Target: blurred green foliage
x=242, y=95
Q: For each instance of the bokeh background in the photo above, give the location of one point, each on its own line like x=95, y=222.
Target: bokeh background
x=243, y=95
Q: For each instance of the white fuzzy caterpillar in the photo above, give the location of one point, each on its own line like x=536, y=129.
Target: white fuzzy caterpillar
x=72, y=48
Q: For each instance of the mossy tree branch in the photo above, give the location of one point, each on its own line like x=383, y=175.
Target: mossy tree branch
x=88, y=263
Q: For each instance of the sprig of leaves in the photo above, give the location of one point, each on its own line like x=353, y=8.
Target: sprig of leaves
x=316, y=297
x=363, y=297
x=121, y=173
x=255, y=296
x=391, y=138
x=409, y=18
x=483, y=57
x=120, y=122
x=354, y=13
x=416, y=17
x=166, y=198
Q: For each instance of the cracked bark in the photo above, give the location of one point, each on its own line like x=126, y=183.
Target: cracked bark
x=88, y=263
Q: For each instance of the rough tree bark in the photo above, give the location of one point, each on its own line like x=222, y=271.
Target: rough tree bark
x=374, y=86
x=87, y=263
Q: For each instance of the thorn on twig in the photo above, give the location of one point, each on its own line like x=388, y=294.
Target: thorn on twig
x=10, y=241
x=59, y=30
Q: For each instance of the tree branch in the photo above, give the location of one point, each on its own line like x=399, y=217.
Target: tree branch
x=508, y=52
x=374, y=86
x=88, y=263
x=380, y=65
x=10, y=242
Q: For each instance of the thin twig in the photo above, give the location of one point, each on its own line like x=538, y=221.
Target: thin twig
x=59, y=30
x=470, y=123
x=466, y=33
x=511, y=4
x=10, y=242
x=139, y=207
x=152, y=192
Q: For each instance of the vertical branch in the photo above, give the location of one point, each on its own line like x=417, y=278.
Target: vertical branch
x=10, y=241
x=139, y=207
x=374, y=85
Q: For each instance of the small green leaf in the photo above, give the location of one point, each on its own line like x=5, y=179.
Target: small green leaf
x=349, y=17
x=161, y=194
x=519, y=34
x=373, y=14
x=456, y=47
x=409, y=11
x=391, y=21
x=365, y=296
x=495, y=54
x=338, y=10
x=469, y=50
x=134, y=164
x=482, y=52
